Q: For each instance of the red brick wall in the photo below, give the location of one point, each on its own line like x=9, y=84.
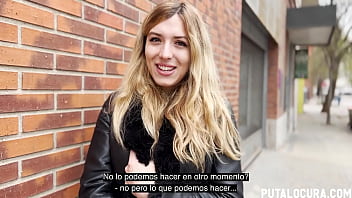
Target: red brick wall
x=277, y=68
x=224, y=18
x=58, y=62
x=273, y=81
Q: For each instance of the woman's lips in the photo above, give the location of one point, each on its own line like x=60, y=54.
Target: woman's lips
x=164, y=69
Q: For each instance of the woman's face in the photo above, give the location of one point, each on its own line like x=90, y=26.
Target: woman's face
x=167, y=52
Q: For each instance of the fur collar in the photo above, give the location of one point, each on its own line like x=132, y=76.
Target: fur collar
x=137, y=138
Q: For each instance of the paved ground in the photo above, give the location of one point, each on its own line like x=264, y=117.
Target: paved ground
x=316, y=155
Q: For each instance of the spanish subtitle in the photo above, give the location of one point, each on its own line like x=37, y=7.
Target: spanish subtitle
x=177, y=177
x=177, y=188
x=209, y=182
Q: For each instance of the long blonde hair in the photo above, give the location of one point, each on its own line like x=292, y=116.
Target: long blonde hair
x=196, y=108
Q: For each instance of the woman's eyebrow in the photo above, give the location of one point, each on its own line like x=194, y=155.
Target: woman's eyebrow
x=160, y=35
x=157, y=34
x=184, y=37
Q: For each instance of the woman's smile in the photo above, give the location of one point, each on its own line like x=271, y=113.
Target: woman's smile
x=165, y=69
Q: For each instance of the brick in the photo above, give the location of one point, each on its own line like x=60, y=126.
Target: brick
x=131, y=28
x=51, y=161
x=142, y=17
x=29, y=188
x=50, y=121
x=99, y=3
x=74, y=136
x=19, y=11
x=8, y=32
x=72, y=63
x=8, y=80
x=122, y=9
x=78, y=28
x=127, y=55
x=142, y=4
x=23, y=146
x=201, y=7
x=29, y=58
x=71, y=191
x=85, y=151
x=101, y=83
x=69, y=174
x=50, y=41
x=26, y=102
x=157, y=1
x=50, y=82
x=8, y=172
x=66, y=101
x=116, y=68
x=103, y=18
x=120, y=39
x=67, y=6
x=8, y=126
x=103, y=51
x=91, y=116
x=273, y=94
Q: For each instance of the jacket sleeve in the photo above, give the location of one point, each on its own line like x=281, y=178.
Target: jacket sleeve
x=98, y=160
x=227, y=165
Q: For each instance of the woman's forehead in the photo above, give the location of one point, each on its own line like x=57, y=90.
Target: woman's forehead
x=173, y=25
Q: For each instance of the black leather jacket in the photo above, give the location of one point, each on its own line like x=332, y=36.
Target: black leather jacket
x=105, y=155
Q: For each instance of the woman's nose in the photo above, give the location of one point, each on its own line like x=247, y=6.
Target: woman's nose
x=166, y=51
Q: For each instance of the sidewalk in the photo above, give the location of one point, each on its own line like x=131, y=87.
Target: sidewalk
x=315, y=156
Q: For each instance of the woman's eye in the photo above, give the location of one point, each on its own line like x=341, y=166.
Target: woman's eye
x=181, y=43
x=154, y=39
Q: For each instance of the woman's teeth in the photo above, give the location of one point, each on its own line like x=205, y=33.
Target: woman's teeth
x=165, y=68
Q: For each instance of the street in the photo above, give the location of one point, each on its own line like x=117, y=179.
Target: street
x=316, y=156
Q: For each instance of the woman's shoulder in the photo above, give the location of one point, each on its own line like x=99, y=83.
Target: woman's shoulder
x=108, y=105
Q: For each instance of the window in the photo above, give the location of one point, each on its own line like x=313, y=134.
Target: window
x=251, y=88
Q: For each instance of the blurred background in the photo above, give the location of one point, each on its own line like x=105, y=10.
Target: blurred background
x=315, y=154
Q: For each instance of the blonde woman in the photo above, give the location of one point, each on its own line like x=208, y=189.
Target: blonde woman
x=169, y=115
